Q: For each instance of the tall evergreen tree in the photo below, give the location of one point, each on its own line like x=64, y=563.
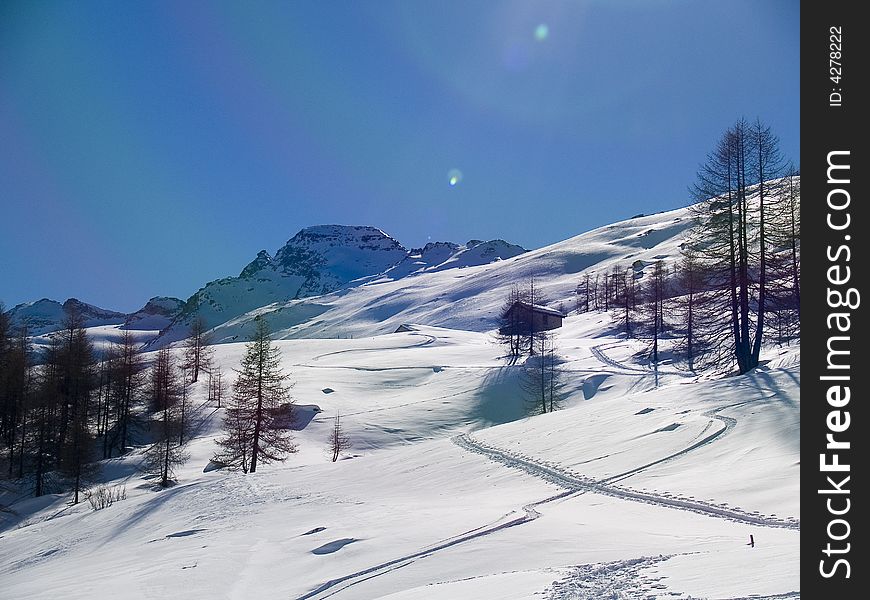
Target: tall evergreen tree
x=127, y=376
x=166, y=453
x=197, y=349
x=74, y=390
x=690, y=282
x=217, y=386
x=654, y=292
x=255, y=425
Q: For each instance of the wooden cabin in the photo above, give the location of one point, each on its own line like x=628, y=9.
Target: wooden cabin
x=532, y=317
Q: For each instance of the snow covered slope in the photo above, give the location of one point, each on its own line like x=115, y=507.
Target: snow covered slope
x=320, y=260
x=46, y=315
x=437, y=256
x=470, y=296
x=157, y=314
x=642, y=487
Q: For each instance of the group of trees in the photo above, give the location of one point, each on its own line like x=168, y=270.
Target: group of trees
x=65, y=406
x=748, y=238
x=15, y=385
x=52, y=413
x=735, y=284
x=737, y=281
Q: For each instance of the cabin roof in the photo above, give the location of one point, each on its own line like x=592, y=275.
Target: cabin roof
x=539, y=308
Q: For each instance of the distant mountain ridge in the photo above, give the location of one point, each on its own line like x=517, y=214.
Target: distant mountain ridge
x=464, y=286
x=317, y=260
x=46, y=315
x=320, y=260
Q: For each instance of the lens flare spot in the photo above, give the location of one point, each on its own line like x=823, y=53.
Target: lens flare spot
x=454, y=176
x=542, y=32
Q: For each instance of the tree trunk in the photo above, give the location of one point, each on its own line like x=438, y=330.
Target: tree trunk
x=259, y=414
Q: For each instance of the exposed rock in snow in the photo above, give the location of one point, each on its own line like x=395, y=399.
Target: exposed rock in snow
x=157, y=314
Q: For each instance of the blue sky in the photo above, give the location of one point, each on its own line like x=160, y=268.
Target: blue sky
x=150, y=147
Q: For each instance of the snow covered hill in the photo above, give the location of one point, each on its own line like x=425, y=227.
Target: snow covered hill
x=341, y=281
x=43, y=316
x=468, y=289
x=157, y=314
x=647, y=484
x=321, y=260
x=642, y=487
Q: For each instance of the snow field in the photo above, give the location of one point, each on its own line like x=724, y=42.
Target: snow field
x=409, y=513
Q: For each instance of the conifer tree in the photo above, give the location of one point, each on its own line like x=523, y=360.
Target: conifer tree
x=255, y=424
x=166, y=453
x=74, y=391
x=197, y=349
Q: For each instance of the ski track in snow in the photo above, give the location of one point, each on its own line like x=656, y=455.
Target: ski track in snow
x=577, y=483
x=330, y=588
x=429, y=340
x=623, y=369
x=728, y=424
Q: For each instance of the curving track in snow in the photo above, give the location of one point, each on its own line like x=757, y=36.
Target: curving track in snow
x=728, y=423
x=599, y=354
x=577, y=483
x=427, y=341
x=623, y=369
x=335, y=586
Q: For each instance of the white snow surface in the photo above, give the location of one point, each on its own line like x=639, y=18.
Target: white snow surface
x=643, y=486
x=647, y=484
x=466, y=290
x=316, y=261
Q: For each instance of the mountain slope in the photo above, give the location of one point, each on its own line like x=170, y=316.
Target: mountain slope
x=157, y=314
x=470, y=297
x=610, y=497
x=321, y=260
x=44, y=316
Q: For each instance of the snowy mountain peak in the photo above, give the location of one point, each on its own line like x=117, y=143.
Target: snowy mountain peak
x=328, y=256
x=324, y=239
x=89, y=310
x=433, y=247
x=258, y=264
x=320, y=260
